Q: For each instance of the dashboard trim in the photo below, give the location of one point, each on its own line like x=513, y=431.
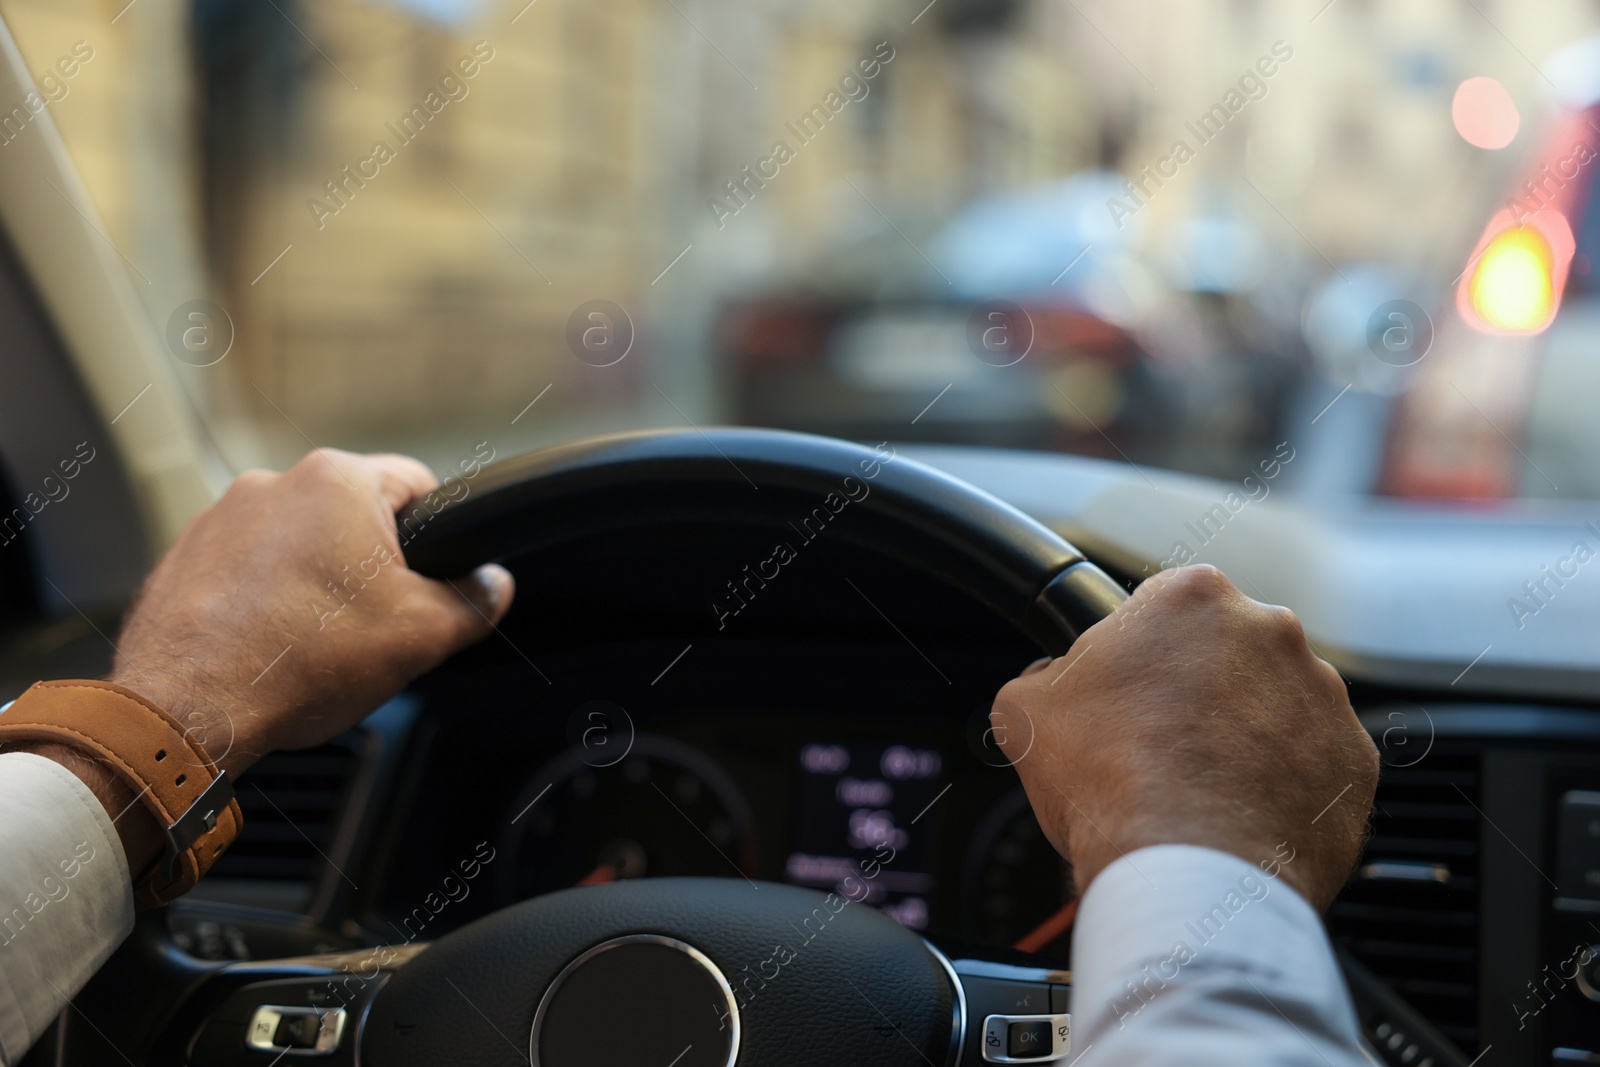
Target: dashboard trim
x=1490, y=721
x=1011, y=972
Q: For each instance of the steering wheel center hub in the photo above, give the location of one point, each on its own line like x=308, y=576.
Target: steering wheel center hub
x=639, y=973
x=641, y=998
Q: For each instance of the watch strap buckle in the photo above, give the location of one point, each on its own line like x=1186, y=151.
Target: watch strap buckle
x=195, y=823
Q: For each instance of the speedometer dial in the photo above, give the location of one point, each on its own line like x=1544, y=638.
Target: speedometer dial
x=664, y=809
x=1016, y=887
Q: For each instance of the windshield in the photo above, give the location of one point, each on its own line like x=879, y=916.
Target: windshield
x=1346, y=242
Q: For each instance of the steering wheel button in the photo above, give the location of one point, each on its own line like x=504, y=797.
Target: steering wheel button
x=295, y=1030
x=1028, y=1040
x=263, y=1028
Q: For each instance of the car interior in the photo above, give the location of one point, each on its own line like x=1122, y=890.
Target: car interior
x=762, y=614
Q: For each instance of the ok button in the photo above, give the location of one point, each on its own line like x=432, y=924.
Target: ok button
x=1028, y=1039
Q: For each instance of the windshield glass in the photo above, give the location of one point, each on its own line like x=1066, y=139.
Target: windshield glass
x=1346, y=241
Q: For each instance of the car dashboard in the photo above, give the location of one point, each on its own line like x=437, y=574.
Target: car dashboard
x=865, y=767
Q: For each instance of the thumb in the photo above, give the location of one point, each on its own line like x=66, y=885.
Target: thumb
x=488, y=590
x=457, y=613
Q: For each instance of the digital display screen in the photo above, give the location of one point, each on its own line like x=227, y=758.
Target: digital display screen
x=864, y=825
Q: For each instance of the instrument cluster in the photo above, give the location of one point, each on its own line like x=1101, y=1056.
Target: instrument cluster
x=926, y=824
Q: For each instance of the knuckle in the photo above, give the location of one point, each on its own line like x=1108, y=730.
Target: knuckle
x=1197, y=583
x=254, y=478
x=1285, y=624
x=1332, y=678
x=1008, y=713
x=1008, y=699
x=323, y=462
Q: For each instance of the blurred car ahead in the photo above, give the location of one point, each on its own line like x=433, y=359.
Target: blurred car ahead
x=1032, y=323
x=1052, y=378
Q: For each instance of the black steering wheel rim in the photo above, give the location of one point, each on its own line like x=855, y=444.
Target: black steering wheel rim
x=946, y=528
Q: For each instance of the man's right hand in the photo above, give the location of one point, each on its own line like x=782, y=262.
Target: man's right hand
x=1194, y=715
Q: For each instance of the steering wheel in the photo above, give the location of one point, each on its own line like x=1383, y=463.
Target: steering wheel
x=672, y=972
x=699, y=972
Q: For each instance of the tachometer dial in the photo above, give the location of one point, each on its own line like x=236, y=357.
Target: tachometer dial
x=1015, y=886
x=664, y=809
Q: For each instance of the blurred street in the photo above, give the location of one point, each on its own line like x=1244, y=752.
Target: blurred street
x=794, y=210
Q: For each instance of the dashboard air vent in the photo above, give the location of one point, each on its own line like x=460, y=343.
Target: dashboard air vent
x=1411, y=912
x=291, y=803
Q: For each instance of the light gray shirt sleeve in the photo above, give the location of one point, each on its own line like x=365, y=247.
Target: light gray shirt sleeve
x=66, y=899
x=1193, y=956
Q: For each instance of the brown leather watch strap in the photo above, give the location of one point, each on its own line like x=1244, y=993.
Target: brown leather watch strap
x=149, y=750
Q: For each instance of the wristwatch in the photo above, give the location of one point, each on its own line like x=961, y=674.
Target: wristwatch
x=175, y=778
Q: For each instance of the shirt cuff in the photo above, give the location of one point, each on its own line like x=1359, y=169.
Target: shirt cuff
x=1187, y=951
x=66, y=898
